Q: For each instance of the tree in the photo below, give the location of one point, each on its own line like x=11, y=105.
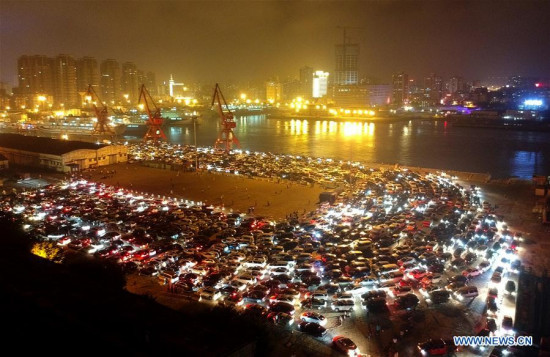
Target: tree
x=48, y=250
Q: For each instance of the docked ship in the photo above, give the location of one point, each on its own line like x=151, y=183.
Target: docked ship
x=180, y=116
x=65, y=127
x=136, y=123
x=527, y=120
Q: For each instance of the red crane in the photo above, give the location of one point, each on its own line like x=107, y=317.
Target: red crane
x=154, y=122
x=102, y=125
x=226, y=137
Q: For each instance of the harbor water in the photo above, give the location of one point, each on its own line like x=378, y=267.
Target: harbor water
x=430, y=144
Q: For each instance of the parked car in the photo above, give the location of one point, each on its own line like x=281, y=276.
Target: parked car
x=374, y=294
x=431, y=278
x=311, y=328
x=496, y=278
x=510, y=287
x=318, y=294
x=313, y=303
x=492, y=292
x=342, y=296
x=456, y=285
x=433, y=347
x=439, y=296
x=343, y=305
x=401, y=290
x=280, y=318
x=472, y=272
x=460, y=278
x=507, y=324
x=466, y=292
x=484, y=266
x=408, y=301
x=310, y=316
x=209, y=293
x=492, y=325
x=376, y=306
x=255, y=310
x=254, y=296
x=345, y=345
x=417, y=274
x=282, y=307
x=492, y=305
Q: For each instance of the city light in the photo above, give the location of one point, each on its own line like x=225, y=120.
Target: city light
x=333, y=203
x=533, y=102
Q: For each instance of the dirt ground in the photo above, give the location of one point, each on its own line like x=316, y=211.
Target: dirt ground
x=234, y=193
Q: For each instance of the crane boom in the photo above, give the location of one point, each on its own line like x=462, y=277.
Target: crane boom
x=226, y=136
x=102, y=114
x=154, y=121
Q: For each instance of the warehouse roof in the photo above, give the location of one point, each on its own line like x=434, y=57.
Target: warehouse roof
x=44, y=145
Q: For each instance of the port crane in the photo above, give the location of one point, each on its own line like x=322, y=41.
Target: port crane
x=102, y=125
x=154, y=121
x=226, y=136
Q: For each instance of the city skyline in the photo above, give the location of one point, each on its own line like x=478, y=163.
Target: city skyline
x=195, y=41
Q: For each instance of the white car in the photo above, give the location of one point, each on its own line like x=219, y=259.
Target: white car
x=343, y=305
x=358, y=290
x=310, y=316
x=279, y=271
x=209, y=294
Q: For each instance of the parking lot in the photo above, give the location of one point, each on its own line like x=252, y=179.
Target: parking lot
x=409, y=237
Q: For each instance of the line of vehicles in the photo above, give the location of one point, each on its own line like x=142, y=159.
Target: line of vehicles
x=378, y=249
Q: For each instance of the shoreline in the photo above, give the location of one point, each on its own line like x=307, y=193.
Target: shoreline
x=342, y=119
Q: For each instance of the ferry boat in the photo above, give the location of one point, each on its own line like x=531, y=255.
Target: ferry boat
x=64, y=126
x=180, y=116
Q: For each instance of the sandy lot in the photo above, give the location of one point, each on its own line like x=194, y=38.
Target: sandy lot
x=236, y=193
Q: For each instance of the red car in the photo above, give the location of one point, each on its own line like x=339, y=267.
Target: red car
x=417, y=273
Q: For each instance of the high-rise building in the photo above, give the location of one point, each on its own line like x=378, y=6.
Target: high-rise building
x=87, y=72
x=306, y=78
x=129, y=82
x=347, y=55
x=110, y=81
x=433, y=89
x=400, y=88
x=35, y=75
x=65, y=93
x=378, y=94
x=273, y=91
x=455, y=84
x=320, y=84
x=151, y=83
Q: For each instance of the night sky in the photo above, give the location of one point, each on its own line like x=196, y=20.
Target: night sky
x=240, y=41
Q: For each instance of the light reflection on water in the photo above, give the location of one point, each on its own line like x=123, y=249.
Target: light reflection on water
x=502, y=153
